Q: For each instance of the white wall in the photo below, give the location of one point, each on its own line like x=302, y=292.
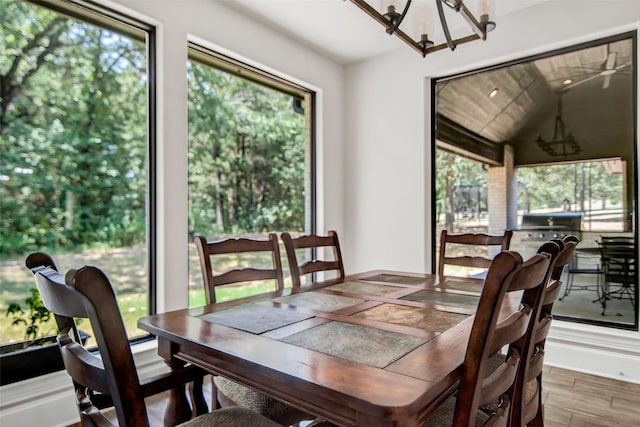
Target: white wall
x=48, y=400
x=387, y=179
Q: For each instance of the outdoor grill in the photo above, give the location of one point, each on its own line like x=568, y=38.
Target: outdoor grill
x=537, y=228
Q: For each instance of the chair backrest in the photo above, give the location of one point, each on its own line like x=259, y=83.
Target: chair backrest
x=41, y=259
x=86, y=293
x=310, y=243
x=524, y=405
x=618, y=259
x=472, y=241
x=208, y=250
x=507, y=273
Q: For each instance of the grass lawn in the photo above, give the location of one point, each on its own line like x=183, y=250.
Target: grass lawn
x=126, y=268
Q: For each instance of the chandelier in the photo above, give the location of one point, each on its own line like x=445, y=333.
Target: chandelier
x=562, y=144
x=392, y=19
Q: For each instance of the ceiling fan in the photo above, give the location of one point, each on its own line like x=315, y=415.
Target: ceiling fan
x=607, y=69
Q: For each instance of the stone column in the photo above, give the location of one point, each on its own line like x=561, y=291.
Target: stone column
x=503, y=195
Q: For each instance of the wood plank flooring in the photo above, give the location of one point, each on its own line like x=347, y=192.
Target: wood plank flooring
x=571, y=399
x=576, y=399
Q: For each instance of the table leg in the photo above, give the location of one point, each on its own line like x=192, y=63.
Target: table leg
x=178, y=410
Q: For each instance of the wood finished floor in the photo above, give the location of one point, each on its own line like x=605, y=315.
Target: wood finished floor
x=571, y=399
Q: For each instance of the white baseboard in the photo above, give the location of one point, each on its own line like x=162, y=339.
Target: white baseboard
x=595, y=350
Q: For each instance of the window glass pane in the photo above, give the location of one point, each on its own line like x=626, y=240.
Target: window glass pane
x=461, y=204
x=593, y=189
x=74, y=144
x=249, y=167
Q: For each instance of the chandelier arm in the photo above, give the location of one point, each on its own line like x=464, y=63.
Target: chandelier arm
x=445, y=27
x=364, y=6
x=404, y=13
x=458, y=42
x=473, y=22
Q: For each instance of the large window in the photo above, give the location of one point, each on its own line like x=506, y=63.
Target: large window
x=74, y=170
x=250, y=157
x=552, y=139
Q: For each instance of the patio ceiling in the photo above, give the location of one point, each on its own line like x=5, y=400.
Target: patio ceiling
x=597, y=105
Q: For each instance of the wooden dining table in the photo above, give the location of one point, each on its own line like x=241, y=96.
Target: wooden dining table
x=379, y=348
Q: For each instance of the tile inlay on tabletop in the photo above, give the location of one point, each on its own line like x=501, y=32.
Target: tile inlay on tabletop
x=364, y=288
x=397, y=278
x=416, y=317
x=371, y=346
x=255, y=318
x=319, y=301
x=443, y=298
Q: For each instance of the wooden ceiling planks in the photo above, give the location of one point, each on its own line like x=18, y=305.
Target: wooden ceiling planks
x=601, y=118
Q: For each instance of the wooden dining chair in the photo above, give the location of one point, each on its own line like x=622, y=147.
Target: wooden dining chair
x=528, y=406
x=110, y=378
x=212, y=278
x=482, y=397
x=227, y=392
x=470, y=244
x=312, y=260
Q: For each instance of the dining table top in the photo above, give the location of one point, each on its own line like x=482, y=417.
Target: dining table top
x=379, y=348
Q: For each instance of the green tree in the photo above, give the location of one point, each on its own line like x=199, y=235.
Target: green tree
x=72, y=133
x=246, y=155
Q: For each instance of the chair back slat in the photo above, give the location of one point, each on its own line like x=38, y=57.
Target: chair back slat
x=212, y=277
x=244, y=275
x=470, y=242
x=312, y=264
x=61, y=300
x=84, y=367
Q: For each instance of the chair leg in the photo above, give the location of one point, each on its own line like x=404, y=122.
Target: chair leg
x=538, y=421
x=215, y=403
x=568, y=287
x=178, y=410
x=198, y=403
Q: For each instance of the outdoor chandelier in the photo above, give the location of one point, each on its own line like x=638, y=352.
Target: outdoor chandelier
x=561, y=144
x=392, y=19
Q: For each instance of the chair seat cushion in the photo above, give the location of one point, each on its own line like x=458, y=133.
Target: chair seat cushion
x=233, y=416
x=443, y=416
x=252, y=399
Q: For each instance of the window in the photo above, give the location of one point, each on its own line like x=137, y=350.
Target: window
x=77, y=151
x=250, y=155
x=558, y=145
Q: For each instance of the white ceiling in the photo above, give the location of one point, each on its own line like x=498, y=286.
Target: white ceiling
x=338, y=29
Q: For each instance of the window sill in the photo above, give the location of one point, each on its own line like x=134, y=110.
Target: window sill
x=49, y=399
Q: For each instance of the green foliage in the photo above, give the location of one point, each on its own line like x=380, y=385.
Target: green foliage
x=453, y=172
x=72, y=133
x=32, y=319
x=246, y=156
x=545, y=187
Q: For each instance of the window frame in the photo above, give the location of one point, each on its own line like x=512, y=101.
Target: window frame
x=94, y=13
x=204, y=55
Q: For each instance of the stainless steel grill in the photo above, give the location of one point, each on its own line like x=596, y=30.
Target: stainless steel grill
x=539, y=227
